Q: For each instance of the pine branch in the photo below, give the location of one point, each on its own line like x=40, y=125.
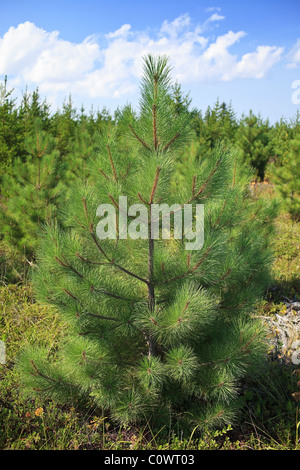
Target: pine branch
x=154, y=127
x=244, y=349
x=154, y=184
x=102, y=317
x=40, y=374
x=113, y=263
x=126, y=172
x=44, y=389
x=113, y=201
x=86, y=213
x=102, y=173
x=171, y=141
x=71, y=295
x=203, y=187
x=190, y=271
x=89, y=261
x=138, y=138
x=220, y=215
x=97, y=290
x=45, y=179
x=180, y=320
x=143, y=200
x=193, y=185
x=109, y=294
x=196, y=195
x=222, y=277
x=68, y=266
x=112, y=163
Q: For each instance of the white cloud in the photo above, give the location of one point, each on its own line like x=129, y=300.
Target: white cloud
x=63, y=61
x=36, y=57
x=256, y=64
x=121, y=32
x=294, y=56
x=20, y=47
x=219, y=49
x=209, y=9
x=176, y=26
x=215, y=17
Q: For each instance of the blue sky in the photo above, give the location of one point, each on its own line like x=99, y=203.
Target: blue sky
x=246, y=53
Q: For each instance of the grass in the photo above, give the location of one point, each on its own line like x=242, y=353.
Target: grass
x=271, y=418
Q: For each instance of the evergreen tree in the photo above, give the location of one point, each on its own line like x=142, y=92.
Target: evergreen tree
x=253, y=138
x=30, y=192
x=11, y=136
x=284, y=172
x=64, y=127
x=181, y=102
x=281, y=135
x=31, y=110
x=156, y=330
x=218, y=125
x=81, y=151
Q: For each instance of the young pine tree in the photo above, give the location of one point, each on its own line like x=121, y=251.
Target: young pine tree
x=30, y=192
x=252, y=138
x=284, y=173
x=156, y=331
x=81, y=151
x=11, y=132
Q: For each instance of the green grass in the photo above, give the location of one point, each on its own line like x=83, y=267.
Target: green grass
x=270, y=418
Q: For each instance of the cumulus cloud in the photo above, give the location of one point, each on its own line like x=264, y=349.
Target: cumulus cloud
x=20, y=47
x=294, y=56
x=215, y=17
x=36, y=57
x=40, y=57
x=256, y=64
x=175, y=27
x=121, y=32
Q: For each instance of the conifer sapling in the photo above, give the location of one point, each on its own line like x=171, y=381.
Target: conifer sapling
x=155, y=330
x=30, y=192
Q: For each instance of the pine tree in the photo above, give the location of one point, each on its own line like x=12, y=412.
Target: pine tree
x=83, y=145
x=253, y=139
x=281, y=135
x=30, y=192
x=81, y=151
x=11, y=135
x=156, y=330
x=218, y=125
x=32, y=110
x=284, y=173
x=64, y=127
